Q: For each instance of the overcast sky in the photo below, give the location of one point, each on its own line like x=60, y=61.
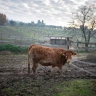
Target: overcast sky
x=53, y=12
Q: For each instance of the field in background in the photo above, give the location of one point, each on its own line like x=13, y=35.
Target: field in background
x=34, y=33
x=28, y=35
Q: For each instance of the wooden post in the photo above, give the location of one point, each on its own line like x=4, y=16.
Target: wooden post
x=9, y=35
x=61, y=41
x=95, y=44
x=21, y=41
x=77, y=43
x=1, y=36
x=15, y=41
x=34, y=38
x=68, y=43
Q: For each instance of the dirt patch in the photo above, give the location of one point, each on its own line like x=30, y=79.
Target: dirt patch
x=91, y=57
x=15, y=80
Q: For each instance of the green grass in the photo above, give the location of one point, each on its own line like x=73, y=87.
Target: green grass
x=67, y=88
x=13, y=48
x=76, y=88
x=35, y=32
x=7, y=31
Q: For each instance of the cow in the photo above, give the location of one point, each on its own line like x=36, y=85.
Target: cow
x=47, y=56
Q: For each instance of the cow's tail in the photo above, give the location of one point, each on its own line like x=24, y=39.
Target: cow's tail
x=28, y=61
x=29, y=57
x=29, y=53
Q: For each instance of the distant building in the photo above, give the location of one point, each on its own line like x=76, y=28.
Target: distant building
x=57, y=40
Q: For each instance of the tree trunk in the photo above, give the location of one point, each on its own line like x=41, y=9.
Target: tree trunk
x=86, y=46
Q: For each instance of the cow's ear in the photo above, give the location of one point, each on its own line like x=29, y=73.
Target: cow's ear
x=74, y=53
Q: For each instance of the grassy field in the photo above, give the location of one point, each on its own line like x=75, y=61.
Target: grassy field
x=35, y=32
x=76, y=88
x=28, y=87
x=38, y=33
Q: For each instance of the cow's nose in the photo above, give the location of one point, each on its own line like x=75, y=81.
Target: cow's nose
x=68, y=62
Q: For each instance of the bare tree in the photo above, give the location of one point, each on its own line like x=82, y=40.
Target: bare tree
x=86, y=19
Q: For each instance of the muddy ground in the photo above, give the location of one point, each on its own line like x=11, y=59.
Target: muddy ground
x=13, y=75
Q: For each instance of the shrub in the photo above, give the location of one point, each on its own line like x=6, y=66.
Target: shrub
x=13, y=48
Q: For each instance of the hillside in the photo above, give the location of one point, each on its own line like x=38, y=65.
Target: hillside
x=34, y=32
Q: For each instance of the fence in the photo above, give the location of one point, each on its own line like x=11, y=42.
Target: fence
x=26, y=41
x=17, y=40
x=81, y=45
x=20, y=42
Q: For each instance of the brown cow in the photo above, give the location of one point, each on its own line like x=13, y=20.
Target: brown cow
x=47, y=56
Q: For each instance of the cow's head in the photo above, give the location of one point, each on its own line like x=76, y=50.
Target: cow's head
x=68, y=54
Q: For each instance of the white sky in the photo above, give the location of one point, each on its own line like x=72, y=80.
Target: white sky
x=53, y=12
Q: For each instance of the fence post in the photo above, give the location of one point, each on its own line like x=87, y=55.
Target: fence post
x=77, y=43
x=1, y=36
x=68, y=43
x=34, y=38
x=21, y=41
x=95, y=44
x=15, y=41
x=9, y=35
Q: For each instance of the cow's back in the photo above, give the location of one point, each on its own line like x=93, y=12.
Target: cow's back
x=47, y=54
x=42, y=52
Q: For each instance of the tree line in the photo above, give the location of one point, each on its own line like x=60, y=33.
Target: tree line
x=4, y=21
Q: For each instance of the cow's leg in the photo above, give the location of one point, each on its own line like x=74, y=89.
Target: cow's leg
x=60, y=68
x=54, y=70
x=34, y=67
x=28, y=67
x=28, y=63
